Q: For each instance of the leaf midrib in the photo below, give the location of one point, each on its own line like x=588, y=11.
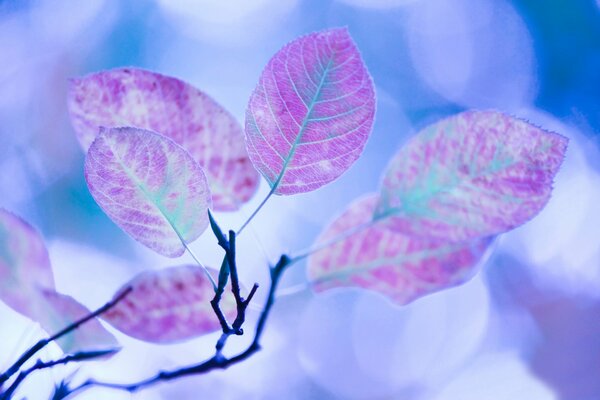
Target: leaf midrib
x=358, y=268
x=448, y=188
x=305, y=122
x=149, y=196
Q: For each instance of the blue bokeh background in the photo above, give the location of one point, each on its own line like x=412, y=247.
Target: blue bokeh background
x=526, y=327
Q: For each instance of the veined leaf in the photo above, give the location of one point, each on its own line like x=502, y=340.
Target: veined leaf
x=24, y=264
x=59, y=311
x=171, y=107
x=149, y=186
x=398, y=266
x=311, y=113
x=168, y=305
x=476, y=174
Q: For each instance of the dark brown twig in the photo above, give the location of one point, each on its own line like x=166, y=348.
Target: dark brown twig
x=218, y=361
x=39, y=365
x=13, y=369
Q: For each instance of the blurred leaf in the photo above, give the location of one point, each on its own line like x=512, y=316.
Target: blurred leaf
x=171, y=107
x=168, y=305
x=311, y=113
x=476, y=174
x=24, y=264
x=149, y=186
x=400, y=267
x=61, y=311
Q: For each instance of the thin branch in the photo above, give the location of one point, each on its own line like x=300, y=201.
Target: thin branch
x=219, y=313
x=228, y=269
x=251, y=294
x=13, y=369
x=229, y=245
x=230, y=252
x=39, y=365
x=218, y=361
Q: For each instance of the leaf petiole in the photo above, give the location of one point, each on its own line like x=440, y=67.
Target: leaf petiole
x=322, y=246
x=239, y=231
x=208, y=275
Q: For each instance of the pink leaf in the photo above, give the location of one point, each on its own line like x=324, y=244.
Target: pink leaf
x=59, y=311
x=476, y=174
x=149, y=186
x=171, y=107
x=24, y=264
x=400, y=267
x=311, y=113
x=168, y=305
x=27, y=285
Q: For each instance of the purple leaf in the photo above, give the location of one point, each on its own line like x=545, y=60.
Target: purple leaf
x=149, y=186
x=476, y=174
x=400, y=267
x=24, y=264
x=311, y=113
x=168, y=305
x=171, y=107
x=59, y=311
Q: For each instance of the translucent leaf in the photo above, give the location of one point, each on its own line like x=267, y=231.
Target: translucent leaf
x=59, y=311
x=27, y=285
x=149, y=186
x=168, y=305
x=398, y=266
x=311, y=113
x=171, y=107
x=24, y=264
x=476, y=174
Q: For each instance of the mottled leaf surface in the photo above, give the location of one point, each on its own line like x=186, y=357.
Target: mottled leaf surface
x=61, y=310
x=475, y=174
x=400, y=267
x=150, y=186
x=168, y=305
x=171, y=107
x=24, y=264
x=311, y=113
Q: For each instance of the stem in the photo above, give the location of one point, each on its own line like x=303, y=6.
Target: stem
x=219, y=313
x=294, y=289
x=208, y=275
x=218, y=361
x=239, y=232
x=321, y=246
x=44, y=342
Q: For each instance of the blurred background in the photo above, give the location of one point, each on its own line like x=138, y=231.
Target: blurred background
x=526, y=327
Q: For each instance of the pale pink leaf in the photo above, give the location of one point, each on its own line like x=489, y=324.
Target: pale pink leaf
x=168, y=305
x=171, y=107
x=398, y=266
x=59, y=311
x=311, y=113
x=150, y=186
x=24, y=264
x=475, y=174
